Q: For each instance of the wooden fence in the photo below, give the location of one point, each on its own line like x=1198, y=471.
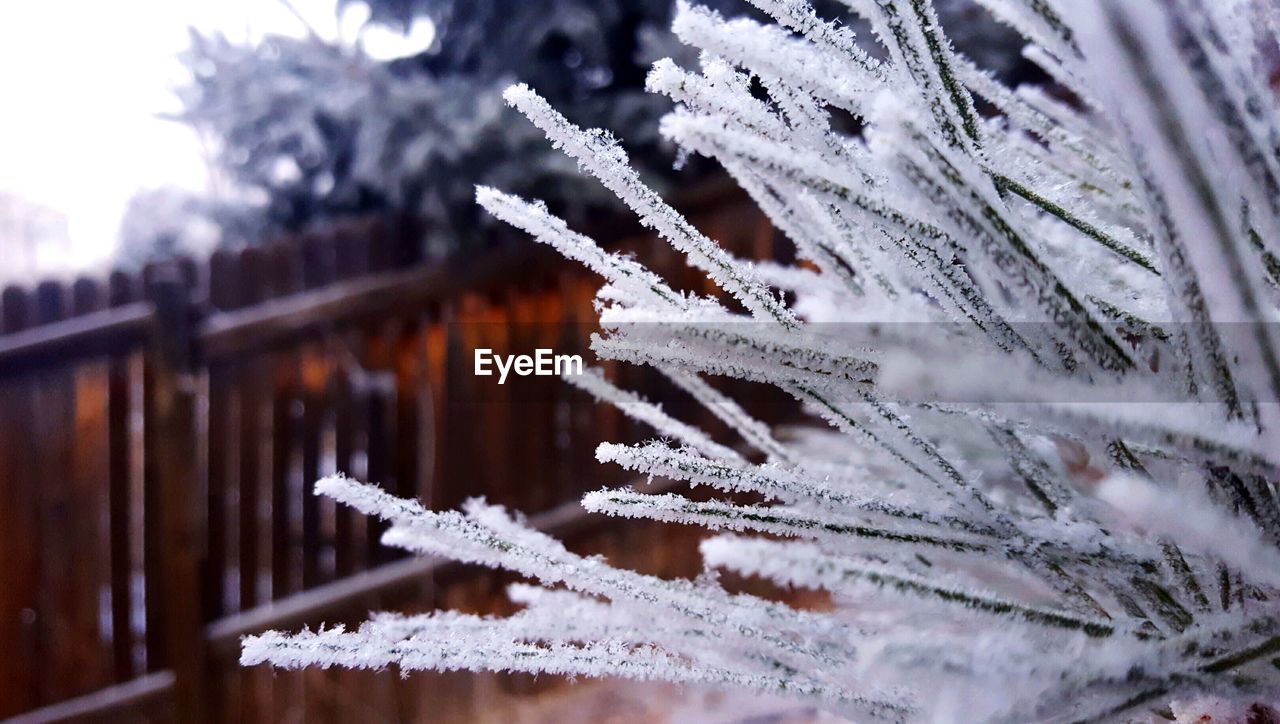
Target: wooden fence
x=159, y=433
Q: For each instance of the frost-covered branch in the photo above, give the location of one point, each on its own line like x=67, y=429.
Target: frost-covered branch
x=1032, y=336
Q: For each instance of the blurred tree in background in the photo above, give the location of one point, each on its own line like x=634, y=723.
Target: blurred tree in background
x=307, y=129
x=322, y=130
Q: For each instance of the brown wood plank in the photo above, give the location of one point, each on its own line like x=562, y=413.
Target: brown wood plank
x=351, y=252
x=318, y=269
x=152, y=537
x=284, y=265
x=282, y=436
x=455, y=441
x=147, y=698
x=379, y=242
x=53, y=421
x=121, y=291
x=319, y=259
x=431, y=435
x=378, y=450
x=473, y=466
x=494, y=405
x=20, y=550
x=221, y=441
x=369, y=298
x=111, y=331
x=250, y=520
x=16, y=310
x=246, y=691
x=219, y=459
x=87, y=507
x=315, y=375
x=344, y=448
x=152, y=540
x=285, y=279
x=381, y=292
x=578, y=414
x=548, y=313
x=173, y=516
x=252, y=524
x=312, y=415
x=522, y=460
x=408, y=380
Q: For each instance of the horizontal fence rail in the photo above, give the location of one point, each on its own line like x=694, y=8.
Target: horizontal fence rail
x=109, y=332
x=159, y=434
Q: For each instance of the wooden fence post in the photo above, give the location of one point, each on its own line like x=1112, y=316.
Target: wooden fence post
x=170, y=454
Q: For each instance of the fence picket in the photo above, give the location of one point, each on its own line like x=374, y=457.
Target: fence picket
x=121, y=519
x=53, y=420
x=87, y=503
x=19, y=532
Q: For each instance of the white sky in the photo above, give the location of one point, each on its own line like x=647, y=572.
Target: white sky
x=81, y=82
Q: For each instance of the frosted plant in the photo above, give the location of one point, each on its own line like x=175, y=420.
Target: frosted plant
x=1037, y=340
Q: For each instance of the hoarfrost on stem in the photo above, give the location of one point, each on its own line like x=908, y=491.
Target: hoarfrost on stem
x=1043, y=344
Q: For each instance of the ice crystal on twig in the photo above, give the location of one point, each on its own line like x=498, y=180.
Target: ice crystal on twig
x=1038, y=327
